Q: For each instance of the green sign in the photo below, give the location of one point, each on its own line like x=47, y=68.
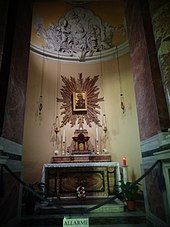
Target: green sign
x=75, y=222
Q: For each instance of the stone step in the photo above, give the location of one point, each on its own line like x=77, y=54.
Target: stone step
x=99, y=220
x=108, y=215
x=115, y=206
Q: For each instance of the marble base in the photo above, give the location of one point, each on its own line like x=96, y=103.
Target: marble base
x=156, y=141
x=3, y=159
x=157, y=204
x=81, y=158
x=115, y=207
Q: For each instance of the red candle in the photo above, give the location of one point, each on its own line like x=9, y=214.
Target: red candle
x=124, y=161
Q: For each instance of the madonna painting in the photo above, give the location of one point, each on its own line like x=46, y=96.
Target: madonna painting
x=79, y=101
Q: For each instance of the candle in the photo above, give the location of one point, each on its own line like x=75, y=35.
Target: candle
x=97, y=134
x=56, y=152
x=64, y=135
x=104, y=120
x=124, y=161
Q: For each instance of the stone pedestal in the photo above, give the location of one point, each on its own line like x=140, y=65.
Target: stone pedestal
x=155, y=192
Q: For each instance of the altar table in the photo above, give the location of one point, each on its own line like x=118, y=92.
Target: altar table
x=99, y=179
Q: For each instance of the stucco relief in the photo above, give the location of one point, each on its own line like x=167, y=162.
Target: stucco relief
x=78, y=33
x=161, y=27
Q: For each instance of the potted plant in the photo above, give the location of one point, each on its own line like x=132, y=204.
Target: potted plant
x=130, y=192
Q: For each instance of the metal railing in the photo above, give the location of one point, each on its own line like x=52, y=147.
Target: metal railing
x=61, y=208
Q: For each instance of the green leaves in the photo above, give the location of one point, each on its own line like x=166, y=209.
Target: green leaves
x=130, y=190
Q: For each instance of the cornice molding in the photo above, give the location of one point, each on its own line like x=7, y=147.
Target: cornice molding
x=98, y=56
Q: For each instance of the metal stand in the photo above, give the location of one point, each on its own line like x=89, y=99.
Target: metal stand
x=125, y=174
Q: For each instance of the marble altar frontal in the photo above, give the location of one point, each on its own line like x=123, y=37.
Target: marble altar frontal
x=99, y=179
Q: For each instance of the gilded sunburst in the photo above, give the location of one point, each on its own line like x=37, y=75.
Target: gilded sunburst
x=89, y=87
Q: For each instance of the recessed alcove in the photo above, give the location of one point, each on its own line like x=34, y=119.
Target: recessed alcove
x=47, y=68
x=129, y=69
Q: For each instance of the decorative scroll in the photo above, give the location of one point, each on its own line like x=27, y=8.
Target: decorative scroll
x=90, y=91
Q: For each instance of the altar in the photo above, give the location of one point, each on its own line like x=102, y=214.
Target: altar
x=98, y=178
x=81, y=164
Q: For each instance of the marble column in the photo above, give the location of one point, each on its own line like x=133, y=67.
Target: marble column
x=15, y=102
x=160, y=15
x=5, y=53
x=14, y=55
x=152, y=108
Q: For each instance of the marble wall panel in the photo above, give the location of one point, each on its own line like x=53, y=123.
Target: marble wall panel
x=7, y=24
x=15, y=104
x=150, y=99
x=154, y=189
x=9, y=199
x=3, y=13
x=160, y=13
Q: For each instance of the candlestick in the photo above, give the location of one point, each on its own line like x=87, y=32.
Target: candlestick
x=97, y=147
x=97, y=134
x=125, y=174
x=124, y=161
x=64, y=135
x=56, y=152
x=104, y=120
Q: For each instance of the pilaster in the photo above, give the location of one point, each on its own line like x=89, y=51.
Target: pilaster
x=153, y=116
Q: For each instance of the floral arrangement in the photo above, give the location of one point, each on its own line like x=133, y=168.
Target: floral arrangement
x=81, y=193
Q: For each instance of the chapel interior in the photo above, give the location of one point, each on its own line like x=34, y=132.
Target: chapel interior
x=85, y=103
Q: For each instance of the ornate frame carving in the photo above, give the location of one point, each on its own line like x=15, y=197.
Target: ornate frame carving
x=90, y=90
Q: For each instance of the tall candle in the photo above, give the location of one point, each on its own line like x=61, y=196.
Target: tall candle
x=64, y=135
x=124, y=161
x=104, y=120
x=97, y=134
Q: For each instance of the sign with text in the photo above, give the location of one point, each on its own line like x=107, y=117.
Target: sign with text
x=75, y=222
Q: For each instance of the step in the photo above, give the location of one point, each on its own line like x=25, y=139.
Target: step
x=100, y=220
x=115, y=206
x=108, y=215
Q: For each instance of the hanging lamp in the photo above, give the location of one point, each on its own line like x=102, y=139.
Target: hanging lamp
x=104, y=125
x=122, y=104
x=40, y=103
x=57, y=121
